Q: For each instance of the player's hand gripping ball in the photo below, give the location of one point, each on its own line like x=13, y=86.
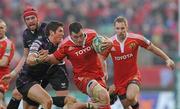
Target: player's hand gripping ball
x=97, y=44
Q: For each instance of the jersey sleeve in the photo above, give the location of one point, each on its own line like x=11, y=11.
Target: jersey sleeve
x=9, y=48
x=60, y=53
x=142, y=41
x=35, y=47
x=12, y=51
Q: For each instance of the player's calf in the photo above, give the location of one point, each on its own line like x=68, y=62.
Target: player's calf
x=15, y=100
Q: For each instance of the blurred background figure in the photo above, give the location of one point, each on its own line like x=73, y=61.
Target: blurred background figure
x=157, y=20
x=6, y=54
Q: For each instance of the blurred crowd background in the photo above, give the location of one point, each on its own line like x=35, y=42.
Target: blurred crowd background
x=155, y=19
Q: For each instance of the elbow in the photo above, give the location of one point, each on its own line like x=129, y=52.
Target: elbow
x=3, y=64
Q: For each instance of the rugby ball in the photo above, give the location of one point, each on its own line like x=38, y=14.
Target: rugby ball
x=97, y=44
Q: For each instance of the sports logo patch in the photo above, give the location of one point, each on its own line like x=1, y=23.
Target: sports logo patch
x=132, y=45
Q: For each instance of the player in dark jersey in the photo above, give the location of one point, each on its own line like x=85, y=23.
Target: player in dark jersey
x=28, y=83
x=34, y=31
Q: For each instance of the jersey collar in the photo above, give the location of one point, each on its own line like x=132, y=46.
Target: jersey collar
x=123, y=40
x=84, y=42
x=4, y=38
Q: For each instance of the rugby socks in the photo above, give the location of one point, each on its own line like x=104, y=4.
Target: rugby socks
x=135, y=106
x=58, y=101
x=13, y=104
x=113, y=98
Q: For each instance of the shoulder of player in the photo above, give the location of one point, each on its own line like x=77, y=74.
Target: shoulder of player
x=8, y=41
x=43, y=26
x=90, y=33
x=65, y=42
x=136, y=36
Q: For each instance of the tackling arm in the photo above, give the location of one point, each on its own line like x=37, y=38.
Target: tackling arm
x=51, y=59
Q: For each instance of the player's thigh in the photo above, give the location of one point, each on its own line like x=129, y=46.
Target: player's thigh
x=38, y=94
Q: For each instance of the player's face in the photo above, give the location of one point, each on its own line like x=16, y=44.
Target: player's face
x=58, y=35
x=2, y=29
x=31, y=22
x=121, y=29
x=78, y=38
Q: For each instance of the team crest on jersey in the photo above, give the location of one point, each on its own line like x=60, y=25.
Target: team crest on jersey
x=0, y=46
x=132, y=45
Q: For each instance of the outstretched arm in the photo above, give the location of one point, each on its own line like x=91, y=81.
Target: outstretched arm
x=170, y=63
x=6, y=78
x=52, y=59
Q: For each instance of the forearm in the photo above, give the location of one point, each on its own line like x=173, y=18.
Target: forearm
x=20, y=64
x=158, y=52
x=104, y=64
x=51, y=59
x=4, y=61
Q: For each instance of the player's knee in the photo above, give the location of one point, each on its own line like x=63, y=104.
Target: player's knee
x=16, y=94
x=47, y=101
x=131, y=97
x=99, y=93
x=104, y=97
x=70, y=99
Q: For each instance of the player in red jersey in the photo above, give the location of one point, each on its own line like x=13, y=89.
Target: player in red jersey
x=87, y=67
x=6, y=55
x=127, y=78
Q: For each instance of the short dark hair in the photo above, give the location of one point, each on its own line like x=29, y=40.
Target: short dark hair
x=75, y=27
x=121, y=19
x=53, y=26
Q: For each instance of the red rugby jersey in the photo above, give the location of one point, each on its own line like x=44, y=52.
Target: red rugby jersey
x=124, y=56
x=84, y=59
x=6, y=49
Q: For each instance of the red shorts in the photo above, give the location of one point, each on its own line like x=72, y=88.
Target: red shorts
x=82, y=82
x=122, y=88
x=3, y=87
